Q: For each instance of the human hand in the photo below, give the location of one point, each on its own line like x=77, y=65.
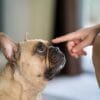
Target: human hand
x=78, y=40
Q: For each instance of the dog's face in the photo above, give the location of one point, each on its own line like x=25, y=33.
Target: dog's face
x=39, y=61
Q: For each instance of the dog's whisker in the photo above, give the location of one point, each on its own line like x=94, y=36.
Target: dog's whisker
x=26, y=36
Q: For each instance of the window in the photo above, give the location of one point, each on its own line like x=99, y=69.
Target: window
x=90, y=16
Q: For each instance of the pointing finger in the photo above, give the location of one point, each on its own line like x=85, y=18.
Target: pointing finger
x=65, y=38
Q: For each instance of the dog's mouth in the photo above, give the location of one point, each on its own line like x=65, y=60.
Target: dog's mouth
x=56, y=62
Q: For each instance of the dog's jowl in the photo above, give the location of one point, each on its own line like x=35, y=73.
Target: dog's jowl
x=30, y=65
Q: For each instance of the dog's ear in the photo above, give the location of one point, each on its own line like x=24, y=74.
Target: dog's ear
x=8, y=47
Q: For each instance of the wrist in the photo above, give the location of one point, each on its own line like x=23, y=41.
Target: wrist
x=96, y=29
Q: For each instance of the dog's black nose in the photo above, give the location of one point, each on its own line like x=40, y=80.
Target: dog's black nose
x=57, y=49
x=56, y=62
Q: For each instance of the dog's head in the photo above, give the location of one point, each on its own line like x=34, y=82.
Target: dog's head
x=37, y=60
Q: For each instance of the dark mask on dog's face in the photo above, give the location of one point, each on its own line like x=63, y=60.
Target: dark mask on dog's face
x=55, y=59
x=56, y=62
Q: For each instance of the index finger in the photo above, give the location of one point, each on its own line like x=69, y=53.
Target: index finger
x=64, y=38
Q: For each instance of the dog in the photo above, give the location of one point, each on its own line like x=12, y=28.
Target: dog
x=31, y=64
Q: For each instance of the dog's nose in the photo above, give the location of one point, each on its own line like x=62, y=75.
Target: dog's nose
x=57, y=49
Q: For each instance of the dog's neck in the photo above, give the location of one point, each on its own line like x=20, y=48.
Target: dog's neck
x=27, y=88
x=29, y=92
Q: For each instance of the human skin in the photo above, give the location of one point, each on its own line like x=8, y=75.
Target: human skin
x=78, y=40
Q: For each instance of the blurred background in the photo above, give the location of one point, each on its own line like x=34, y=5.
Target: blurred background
x=47, y=19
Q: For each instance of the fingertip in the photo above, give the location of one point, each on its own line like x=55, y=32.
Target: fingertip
x=54, y=41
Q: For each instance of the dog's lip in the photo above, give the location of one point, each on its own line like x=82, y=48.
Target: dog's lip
x=63, y=64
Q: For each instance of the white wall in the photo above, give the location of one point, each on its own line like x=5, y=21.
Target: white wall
x=33, y=16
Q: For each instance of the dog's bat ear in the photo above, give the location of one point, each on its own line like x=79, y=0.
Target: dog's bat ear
x=8, y=47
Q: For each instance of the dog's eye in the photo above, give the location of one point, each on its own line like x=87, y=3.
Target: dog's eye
x=41, y=49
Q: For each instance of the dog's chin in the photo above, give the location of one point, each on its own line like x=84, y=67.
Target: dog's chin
x=56, y=62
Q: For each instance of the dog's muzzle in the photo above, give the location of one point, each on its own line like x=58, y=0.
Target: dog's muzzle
x=56, y=62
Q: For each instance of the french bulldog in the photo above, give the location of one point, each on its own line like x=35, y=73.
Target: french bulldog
x=31, y=64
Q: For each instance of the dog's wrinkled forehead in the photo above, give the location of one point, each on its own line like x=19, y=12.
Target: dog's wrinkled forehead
x=35, y=46
x=34, y=41
x=32, y=44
